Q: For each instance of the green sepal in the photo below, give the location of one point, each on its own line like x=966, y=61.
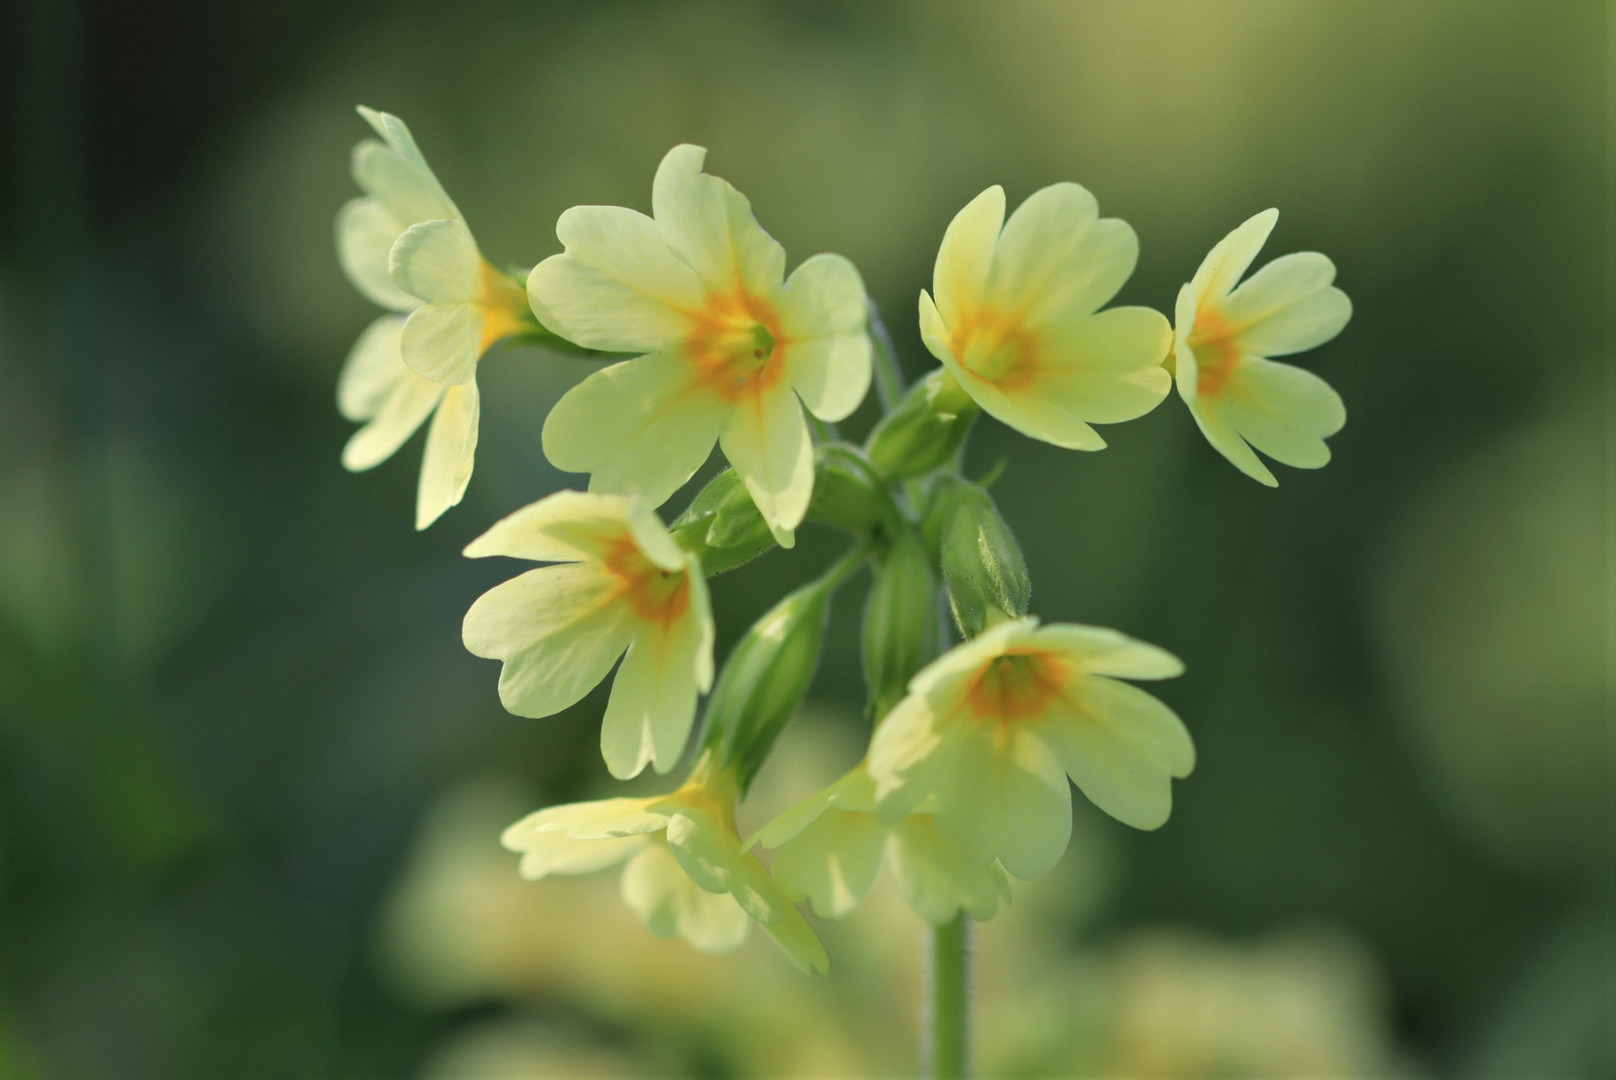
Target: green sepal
x=980, y=561
x=848, y=491
x=926, y=430
x=897, y=622
x=722, y=525
x=764, y=681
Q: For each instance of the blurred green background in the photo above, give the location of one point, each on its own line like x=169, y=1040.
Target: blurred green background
x=250, y=783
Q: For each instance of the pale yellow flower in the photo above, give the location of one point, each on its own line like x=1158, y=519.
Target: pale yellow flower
x=404, y=245
x=620, y=583
x=377, y=389
x=1224, y=335
x=1017, y=318
x=829, y=848
x=687, y=872
x=991, y=729
x=729, y=345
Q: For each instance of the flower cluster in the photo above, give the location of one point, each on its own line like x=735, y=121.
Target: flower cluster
x=966, y=783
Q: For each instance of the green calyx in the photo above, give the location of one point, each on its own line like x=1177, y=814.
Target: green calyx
x=898, y=622
x=849, y=493
x=764, y=681
x=982, y=566
x=926, y=429
x=722, y=525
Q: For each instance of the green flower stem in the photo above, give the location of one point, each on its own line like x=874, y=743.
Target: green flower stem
x=888, y=375
x=843, y=568
x=949, y=1016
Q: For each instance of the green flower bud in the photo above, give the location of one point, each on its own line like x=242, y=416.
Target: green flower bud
x=764, y=681
x=983, y=570
x=897, y=623
x=722, y=525
x=925, y=429
x=848, y=492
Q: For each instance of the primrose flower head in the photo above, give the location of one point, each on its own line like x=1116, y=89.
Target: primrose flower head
x=620, y=583
x=404, y=245
x=687, y=872
x=990, y=731
x=1016, y=318
x=829, y=849
x=1224, y=334
x=729, y=345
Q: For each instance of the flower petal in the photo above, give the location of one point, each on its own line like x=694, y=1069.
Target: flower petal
x=658, y=545
x=640, y=426
x=936, y=678
x=766, y=440
x=1034, y=415
x=405, y=409
x=443, y=342
x=1058, y=258
x=1142, y=719
x=1211, y=417
x=546, y=853
x=792, y=821
x=794, y=937
x=1101, y=651
x=1278, y=285
x=1105, y=368
x=1288, y=306
x=366, y=233
x=1121, y=747
x=618, y=286
x=833, y=862
x=653, y=699
x=556, y=629
x=437, y=261
x=906, y=752
x=564, y=527
x=935, y=878
x=1037, y=814
x=451, y=446
x=408, y=190
x=712, y=856
x=1302, y=325
x=970, y=797
x=669, y=903
x=933, y=331
x=711, y=225
x=372, y=371
x=824, y=314
x=1284, y=411
x=1229, y=257
x=966, y=255
x=598, y=819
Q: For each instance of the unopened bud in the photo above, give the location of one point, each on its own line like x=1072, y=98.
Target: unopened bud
x=897, y=623
x=722, y=525
x=925, y=429
x=764, y=681
x=983, y=570
x=848, y=492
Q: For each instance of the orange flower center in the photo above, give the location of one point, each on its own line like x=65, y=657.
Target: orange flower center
x=1217, y=352
x=997, y=348
x=504, y=304
x=1016, y=686
x=736, y=344
x=657, y=596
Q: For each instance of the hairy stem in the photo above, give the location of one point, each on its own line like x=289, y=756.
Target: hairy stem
x=948, y=1028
